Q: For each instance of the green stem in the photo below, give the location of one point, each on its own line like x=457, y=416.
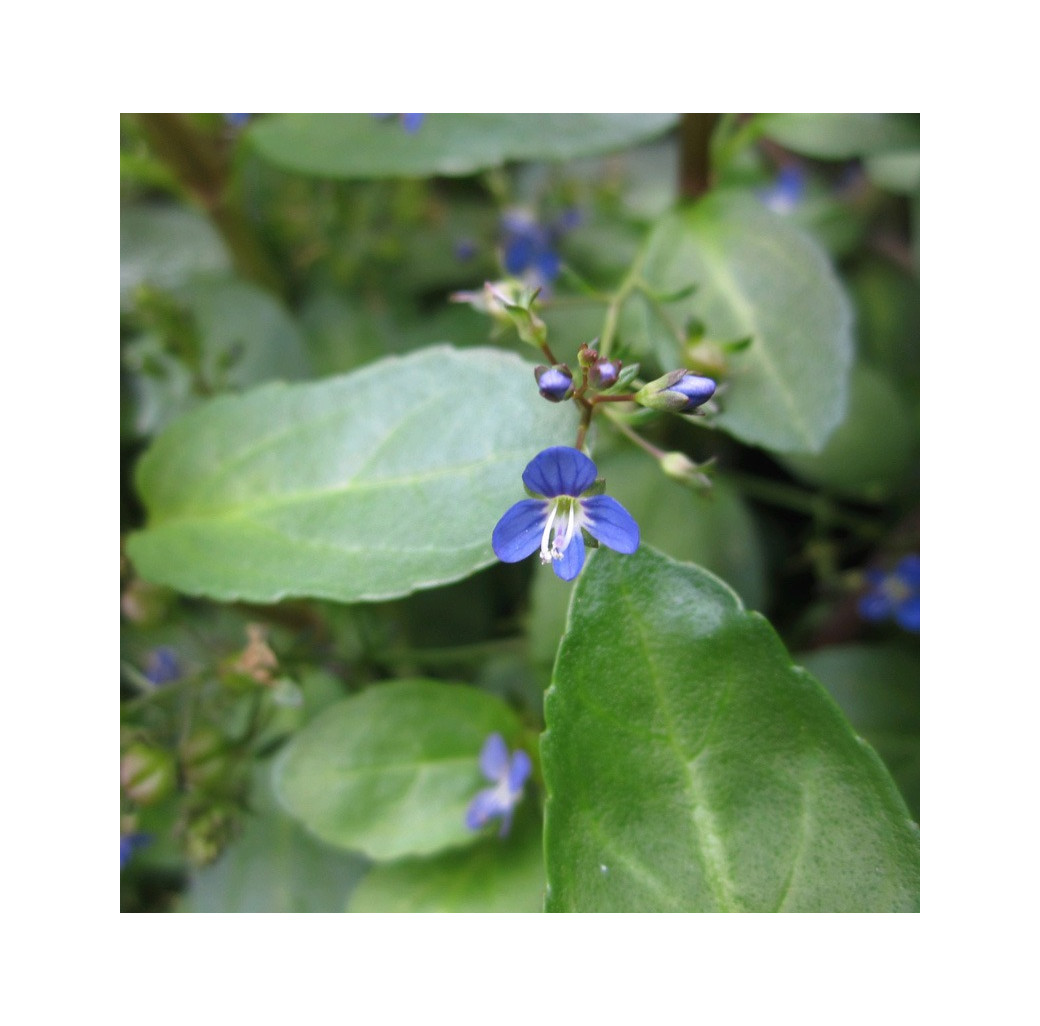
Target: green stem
x=694, y=154
x=632, y=436
x=632, y=281
x=820, y=508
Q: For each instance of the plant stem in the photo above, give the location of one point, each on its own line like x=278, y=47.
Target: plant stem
x=694, y=154
x=200, y=162
x=819, y=507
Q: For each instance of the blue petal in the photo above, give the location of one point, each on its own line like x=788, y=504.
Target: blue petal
x=412, y=122
x=560, y=470
x=610, y=523
x=494, y=758
x=573, y=559
x=908, y=570
x=547, y=264
x=874, y=606
x=484, y=806
x=519, y=532
x=519, y=771
x=518, y=255
x=908, y=614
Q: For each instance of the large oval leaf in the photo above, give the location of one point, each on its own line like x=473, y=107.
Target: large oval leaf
x=495, y=875
x=362, y=146
x=691, y=767
x=362, y=487
x=392, y=771
x=840, y=136
x=757, y=275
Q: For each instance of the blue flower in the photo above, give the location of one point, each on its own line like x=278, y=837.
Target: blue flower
x=508, y=775
x=895, y=595
x=237, y=120
x=409, y=122
x=786, y=191
x=529, y=248
x=163, y=665
x=562, y=477
x=128, y=844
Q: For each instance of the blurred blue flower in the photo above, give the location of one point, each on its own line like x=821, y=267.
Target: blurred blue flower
x=786, y=191
x=529, y=249
x=465, y=249
x=237, y=120
x=163, y=665
x=508, y=776
x=128, y=844
x=894, y=595
x=562, y=476
x=409, y=122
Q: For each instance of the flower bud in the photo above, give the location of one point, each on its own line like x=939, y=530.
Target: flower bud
x=203, y=758
x=604, y=373
x=147, y=774
x=554, y=383
x=679, y=466
x=677, y=392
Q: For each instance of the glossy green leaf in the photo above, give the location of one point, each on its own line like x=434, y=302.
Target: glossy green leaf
x=164, y=246
x=878, y=689
x=691, y=767
x=391, y=772
x=899, y=171
x=873, y=454
x=361, y=487
x=275, y=866
x=494, y=875
x=362, y=146
x=840, y=136
x=759, y=276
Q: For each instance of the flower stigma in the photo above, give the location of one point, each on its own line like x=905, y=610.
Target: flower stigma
x=561, y=517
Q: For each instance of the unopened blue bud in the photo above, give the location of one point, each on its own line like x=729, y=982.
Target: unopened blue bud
x=696, y=389
x=554, y=383
x=604, y=373
x=678, y=392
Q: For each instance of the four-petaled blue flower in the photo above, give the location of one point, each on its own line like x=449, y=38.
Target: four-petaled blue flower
x=163, y=665
x=554, y=523
x=529, y=248
x=508, y=775
x=895, y=595
x=786, y=191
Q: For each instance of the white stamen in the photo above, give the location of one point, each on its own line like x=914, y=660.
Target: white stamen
x=546, y=555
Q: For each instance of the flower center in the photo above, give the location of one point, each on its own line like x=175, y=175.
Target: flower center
x=561, y=523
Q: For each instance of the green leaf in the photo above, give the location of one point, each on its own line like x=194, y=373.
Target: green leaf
x=874, y=453
x=275, y=866
x=356, y=488
x=840, y=136
x=899, y=171
x=878, y=689
x=165, y=246
x=494, y=875
x=691, y=767
x=759, y=276
x=361, y=146
x=391, y=772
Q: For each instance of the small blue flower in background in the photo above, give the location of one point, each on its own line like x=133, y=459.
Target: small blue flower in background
x=554, y=523
x=129, y=844
x=894, y=595
x=529, y=249
x=409, y=122
x=163, y=665
x=508, y=776
x=786, y=191
x=237, y=120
